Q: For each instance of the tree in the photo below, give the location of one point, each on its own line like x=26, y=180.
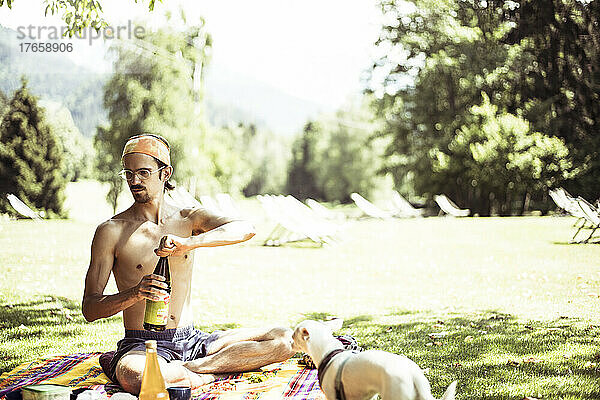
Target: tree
x=559, y=89
x=78, y=14
x=535, y=61
x=503, y=160
x=30, y=156
x=301, y=182
x=78, y=151
x=154, y=88
x=267, y=156
x=3, y=103
x=437, y=56
x=335, y=156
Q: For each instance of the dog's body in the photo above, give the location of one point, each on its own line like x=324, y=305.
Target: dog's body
x=364, y=374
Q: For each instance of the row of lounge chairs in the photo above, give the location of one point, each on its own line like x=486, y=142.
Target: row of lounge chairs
x=222, y=203
x=401, y=208
x=295, y=221
x=588, y=215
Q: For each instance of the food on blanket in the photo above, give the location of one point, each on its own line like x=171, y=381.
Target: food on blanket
x=46, y=392
x=157, y=312
x=153, y=383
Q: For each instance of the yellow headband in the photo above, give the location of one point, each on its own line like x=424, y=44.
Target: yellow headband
x=149, y=145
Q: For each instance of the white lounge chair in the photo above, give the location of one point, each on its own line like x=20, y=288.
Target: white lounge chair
x=325, y=212
x=570, y=205
x=182, y=198
x=210, y=204
x=288, y=226
x=226, y=204
x=448, y=206
x=21, y=207
x=591, y=214
x=369, y=208
x=320, y=227
x=403, y=208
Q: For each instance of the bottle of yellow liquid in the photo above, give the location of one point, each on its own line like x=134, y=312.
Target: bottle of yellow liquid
x=153, y=383
x=157, y=312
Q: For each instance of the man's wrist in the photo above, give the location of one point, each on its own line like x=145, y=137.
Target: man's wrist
x=136, y=294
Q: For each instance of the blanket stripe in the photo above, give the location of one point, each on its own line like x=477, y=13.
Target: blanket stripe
x=75, y=370
x=303, y=384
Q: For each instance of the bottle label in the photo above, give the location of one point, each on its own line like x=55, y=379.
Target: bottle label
x=157, y=312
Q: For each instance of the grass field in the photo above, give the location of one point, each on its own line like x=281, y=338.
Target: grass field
x=504, y=305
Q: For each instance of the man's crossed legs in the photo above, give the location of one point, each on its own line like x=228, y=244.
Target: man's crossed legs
x=235, y=350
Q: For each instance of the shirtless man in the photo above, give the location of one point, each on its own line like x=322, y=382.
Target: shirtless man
x=128, y=246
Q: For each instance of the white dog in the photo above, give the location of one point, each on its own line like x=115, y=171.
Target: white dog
x=346, y=375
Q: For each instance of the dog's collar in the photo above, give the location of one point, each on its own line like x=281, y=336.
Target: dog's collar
x=325, y=364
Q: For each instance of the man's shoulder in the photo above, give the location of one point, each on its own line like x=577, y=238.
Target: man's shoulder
x=110, y=227
x=186, y=212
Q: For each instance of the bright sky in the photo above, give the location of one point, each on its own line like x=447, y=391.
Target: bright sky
x=313, y=49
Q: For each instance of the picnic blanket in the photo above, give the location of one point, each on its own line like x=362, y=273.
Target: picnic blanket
x=285, y=380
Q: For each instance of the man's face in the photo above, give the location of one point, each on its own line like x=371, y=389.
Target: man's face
x=144, y=191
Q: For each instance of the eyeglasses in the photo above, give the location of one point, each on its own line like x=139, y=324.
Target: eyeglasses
x=142, y=173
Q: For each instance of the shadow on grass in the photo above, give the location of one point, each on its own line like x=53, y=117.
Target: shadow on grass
x=492, y=355
x=44, y=324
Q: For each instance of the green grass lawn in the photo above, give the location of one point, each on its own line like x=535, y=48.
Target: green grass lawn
x=504, y=305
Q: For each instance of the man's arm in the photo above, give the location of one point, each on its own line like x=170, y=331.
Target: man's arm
x=95, y=303
x=209, y=230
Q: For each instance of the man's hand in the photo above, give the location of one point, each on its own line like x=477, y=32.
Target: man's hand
x=171, y=245
x=151, y=288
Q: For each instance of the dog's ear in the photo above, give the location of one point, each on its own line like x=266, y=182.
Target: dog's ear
x=335, y=324
x=304, y=333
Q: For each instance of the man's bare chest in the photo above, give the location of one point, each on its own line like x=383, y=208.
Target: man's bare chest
x=135, y=248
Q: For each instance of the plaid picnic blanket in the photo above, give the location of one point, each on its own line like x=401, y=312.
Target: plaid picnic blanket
x=285, y=380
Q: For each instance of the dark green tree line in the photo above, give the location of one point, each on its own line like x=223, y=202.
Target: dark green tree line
x=441, y=59
x=31, y=156
x=559, y=90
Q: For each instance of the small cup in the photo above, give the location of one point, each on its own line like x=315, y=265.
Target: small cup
x=179, y=393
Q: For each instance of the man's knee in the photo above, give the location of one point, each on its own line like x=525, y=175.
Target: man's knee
x=130, y=370
x=280, y=333
x=283, y=340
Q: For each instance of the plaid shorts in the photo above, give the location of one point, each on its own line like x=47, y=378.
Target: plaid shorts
x=184, y=343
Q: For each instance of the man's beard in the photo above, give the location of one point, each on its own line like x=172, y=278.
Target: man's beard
x=140, y=197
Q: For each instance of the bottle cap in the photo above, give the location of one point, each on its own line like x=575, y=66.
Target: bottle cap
x=150, y=344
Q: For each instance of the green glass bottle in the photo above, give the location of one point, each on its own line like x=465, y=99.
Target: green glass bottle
x=157, y=312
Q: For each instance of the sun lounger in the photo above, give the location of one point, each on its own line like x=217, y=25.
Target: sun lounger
x=369, y=208
x=292, y=223
x=570, y=205
x=210, y=204
x=324, y=212
x=448, y=206
x=285, y=231
x=226, y=204
x=591, y=215
x=21, y=207
x=324, y=229
x=403, y=208
x=181, y=197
